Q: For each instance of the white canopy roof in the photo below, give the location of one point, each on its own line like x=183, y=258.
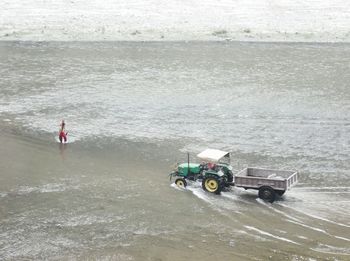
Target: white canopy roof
x=212, y=155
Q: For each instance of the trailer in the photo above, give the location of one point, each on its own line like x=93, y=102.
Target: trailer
x=269, y=182
x=215, y=173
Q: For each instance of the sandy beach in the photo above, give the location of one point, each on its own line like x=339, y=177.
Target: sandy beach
x=174, y=20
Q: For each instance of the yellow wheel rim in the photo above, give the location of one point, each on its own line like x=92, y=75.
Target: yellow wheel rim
x=180, y=183
x=211, y=185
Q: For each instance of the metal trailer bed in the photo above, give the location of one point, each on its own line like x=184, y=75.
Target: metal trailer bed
x=269, y=182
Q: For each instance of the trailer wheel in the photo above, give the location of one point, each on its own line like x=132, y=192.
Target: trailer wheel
x=212, y=184
x=267, y=193
x=280, y=192
x=181, y=182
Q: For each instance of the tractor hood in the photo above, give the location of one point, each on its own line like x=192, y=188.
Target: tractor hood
x=184, y=171
x=213, y=155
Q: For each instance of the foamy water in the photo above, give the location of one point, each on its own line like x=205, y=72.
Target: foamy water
x=290, y=218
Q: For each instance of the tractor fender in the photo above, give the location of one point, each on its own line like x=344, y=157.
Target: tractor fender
x=214, y=173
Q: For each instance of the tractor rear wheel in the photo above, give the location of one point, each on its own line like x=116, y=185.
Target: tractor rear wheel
x=181, y=182
x=267, y=193
x=212, y=184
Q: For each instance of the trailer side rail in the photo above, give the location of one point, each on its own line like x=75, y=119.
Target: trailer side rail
x=254, y=178
x=256, y=183
x=292, y=180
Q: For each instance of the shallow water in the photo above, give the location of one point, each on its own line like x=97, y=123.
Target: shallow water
x=133, y=109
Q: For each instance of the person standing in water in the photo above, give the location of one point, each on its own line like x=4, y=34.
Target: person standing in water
x=62, y=135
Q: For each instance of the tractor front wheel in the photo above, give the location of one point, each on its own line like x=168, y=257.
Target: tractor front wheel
x=212, y=184
x=181, y=182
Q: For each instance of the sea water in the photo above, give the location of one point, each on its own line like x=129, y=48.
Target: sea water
x=133, y=110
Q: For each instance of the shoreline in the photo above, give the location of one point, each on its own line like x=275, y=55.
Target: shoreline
x=268, y=39
x=147, y=20
x=182, y=41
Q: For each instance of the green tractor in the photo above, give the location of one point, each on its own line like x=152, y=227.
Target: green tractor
x=214, y=171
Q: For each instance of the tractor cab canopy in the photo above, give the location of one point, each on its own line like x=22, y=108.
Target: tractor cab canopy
x=215, y=156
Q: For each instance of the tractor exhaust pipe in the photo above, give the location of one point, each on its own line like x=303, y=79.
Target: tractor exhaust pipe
x=188, y=164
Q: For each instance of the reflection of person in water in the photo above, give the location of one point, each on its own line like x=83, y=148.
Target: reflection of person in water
x=62, y=135
x=62, y=147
